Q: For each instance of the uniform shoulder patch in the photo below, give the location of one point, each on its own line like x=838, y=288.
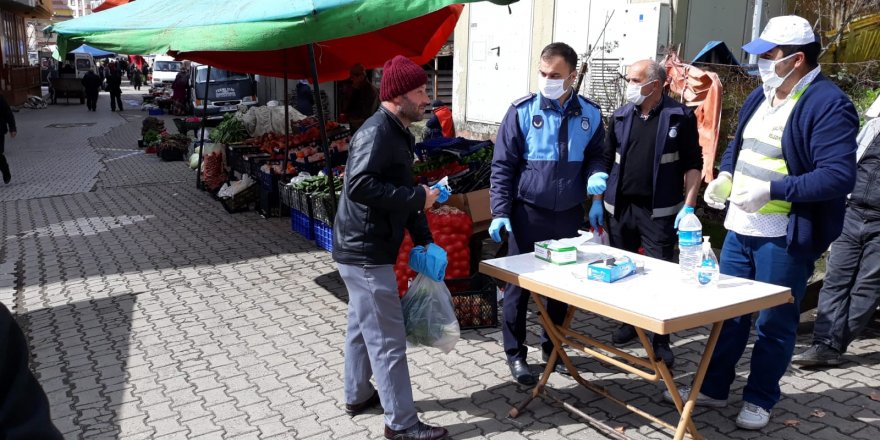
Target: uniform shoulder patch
x=523, y=100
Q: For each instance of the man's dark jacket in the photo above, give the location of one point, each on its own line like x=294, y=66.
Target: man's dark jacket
x=114, y=83
x=7, y=118
x=91, y=82
x=379, y=196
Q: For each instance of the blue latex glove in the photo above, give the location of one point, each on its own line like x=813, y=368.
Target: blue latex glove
x=430, y=261
x=495, y=228
x=596, y=183
x=685, y=210
x=597, y=214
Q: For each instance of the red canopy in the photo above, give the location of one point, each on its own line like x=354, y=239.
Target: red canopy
x=109, y=4
x=418, y=39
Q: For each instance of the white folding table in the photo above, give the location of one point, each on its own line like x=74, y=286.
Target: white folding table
x=656, y=300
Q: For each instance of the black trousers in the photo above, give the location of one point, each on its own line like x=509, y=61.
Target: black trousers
x=851, y=289
x=633, y=228
x=4, y=165
x=92, y=100
x=115, y=100
x=531, y=224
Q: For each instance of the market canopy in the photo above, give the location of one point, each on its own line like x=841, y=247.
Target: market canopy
x=162, y=26
x=418, y=39
x=93, y=51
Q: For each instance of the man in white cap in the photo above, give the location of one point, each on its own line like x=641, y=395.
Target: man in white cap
x=786, y=175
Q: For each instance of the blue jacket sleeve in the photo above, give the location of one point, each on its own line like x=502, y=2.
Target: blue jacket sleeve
x=507, y=162
x=830, y=132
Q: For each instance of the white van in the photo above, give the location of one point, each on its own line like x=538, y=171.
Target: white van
x=81, y=63
x=165, y=69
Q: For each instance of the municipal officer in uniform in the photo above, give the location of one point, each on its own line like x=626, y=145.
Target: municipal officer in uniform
x=653, y=153
x=547, y=146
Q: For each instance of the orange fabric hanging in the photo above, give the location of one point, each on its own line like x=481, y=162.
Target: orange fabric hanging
x=444, y=115
x=702, y=90
x=109, y=4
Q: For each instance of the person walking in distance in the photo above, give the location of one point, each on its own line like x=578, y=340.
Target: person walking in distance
x=7, y=125
x=114, y=86
x=92, y=84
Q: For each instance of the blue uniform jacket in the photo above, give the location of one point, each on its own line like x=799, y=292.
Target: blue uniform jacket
x=676, y=151
x=544, y=154
x=819, y=148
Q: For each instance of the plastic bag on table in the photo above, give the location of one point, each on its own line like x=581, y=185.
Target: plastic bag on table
x=429, y=315
x=600, y=236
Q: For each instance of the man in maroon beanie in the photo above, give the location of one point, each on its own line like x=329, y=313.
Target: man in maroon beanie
x=379, y=200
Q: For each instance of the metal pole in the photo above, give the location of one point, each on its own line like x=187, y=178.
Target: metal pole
x=286, y=124
x=325, y=144
x=204, y=123
x=756, y=26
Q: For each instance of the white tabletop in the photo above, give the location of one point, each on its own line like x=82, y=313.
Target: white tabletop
x=656, y=299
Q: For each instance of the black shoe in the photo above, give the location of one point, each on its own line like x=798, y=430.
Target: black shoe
x=419, y=431
x=623, y=334
x=662, y=350
x=559, y=367
x=818, y=355
x=521, y=372
x=358, y=408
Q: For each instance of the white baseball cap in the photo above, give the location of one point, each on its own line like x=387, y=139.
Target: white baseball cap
x=782, y=30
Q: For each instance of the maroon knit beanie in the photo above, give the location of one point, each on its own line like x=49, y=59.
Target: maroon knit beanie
x=399, y=76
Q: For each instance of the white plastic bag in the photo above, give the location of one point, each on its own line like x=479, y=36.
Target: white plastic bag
x=600, y=236
x=429, y=315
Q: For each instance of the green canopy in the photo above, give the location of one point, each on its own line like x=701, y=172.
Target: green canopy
x=161, y=26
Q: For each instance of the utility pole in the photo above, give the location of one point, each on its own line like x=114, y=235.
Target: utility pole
x=756, y=26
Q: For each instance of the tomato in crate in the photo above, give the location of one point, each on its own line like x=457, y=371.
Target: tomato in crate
x=451, y=229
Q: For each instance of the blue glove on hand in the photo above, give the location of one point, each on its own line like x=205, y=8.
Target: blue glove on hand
x=597, y=214
x=596, y=183
x=495, y=228
x=430, y=261
x=685, y=210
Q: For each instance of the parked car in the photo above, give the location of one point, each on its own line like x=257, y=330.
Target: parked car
x=225, y=92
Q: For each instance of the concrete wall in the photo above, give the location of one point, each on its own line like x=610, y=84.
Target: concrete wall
x=542, y=34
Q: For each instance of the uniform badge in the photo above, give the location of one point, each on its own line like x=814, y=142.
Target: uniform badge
x=537, y=121
x=585, y=123
x=673, y=132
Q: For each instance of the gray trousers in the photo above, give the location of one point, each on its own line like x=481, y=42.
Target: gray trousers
x=851, y=290
x=376, y=343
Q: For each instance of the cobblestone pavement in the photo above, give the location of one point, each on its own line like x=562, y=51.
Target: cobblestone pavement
x=154, y=314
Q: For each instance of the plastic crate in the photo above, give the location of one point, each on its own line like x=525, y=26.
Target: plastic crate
x=323, y=235
x=242, y=201
x=268, y=181
x=268, y=205
x=301, y=201
x=253, y=162
x=323, y=208
x=234, y=156
x=302, y=224
x=475, y=300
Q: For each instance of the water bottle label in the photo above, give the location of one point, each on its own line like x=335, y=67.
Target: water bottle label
x=690, y=238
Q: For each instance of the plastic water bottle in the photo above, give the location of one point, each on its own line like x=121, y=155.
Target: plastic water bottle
x=690, y=237
x=707, y=272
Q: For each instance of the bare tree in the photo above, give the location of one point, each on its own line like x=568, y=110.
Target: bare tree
x=832, y=17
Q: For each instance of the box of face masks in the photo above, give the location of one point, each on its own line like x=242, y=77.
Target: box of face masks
x=554, y=252
x=611, y=270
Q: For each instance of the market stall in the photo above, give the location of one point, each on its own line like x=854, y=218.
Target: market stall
x=634, y=300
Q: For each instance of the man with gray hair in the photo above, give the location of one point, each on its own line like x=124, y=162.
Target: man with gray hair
x=653, y=161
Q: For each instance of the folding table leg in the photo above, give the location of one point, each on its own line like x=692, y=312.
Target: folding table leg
x=685, y=424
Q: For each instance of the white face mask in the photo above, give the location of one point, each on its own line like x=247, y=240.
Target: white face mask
x=551, y=88
x=634, y=93
x=767, y=69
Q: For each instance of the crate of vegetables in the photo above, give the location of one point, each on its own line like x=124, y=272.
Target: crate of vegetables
x=324, y=207
x=475, y=301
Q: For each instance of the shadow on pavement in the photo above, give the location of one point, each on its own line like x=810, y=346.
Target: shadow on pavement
x=84, y=374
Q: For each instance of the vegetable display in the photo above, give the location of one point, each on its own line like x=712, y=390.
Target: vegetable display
x=230, y=131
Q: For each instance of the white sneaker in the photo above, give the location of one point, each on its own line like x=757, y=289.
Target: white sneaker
x=752, y=417
x=702, y=399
